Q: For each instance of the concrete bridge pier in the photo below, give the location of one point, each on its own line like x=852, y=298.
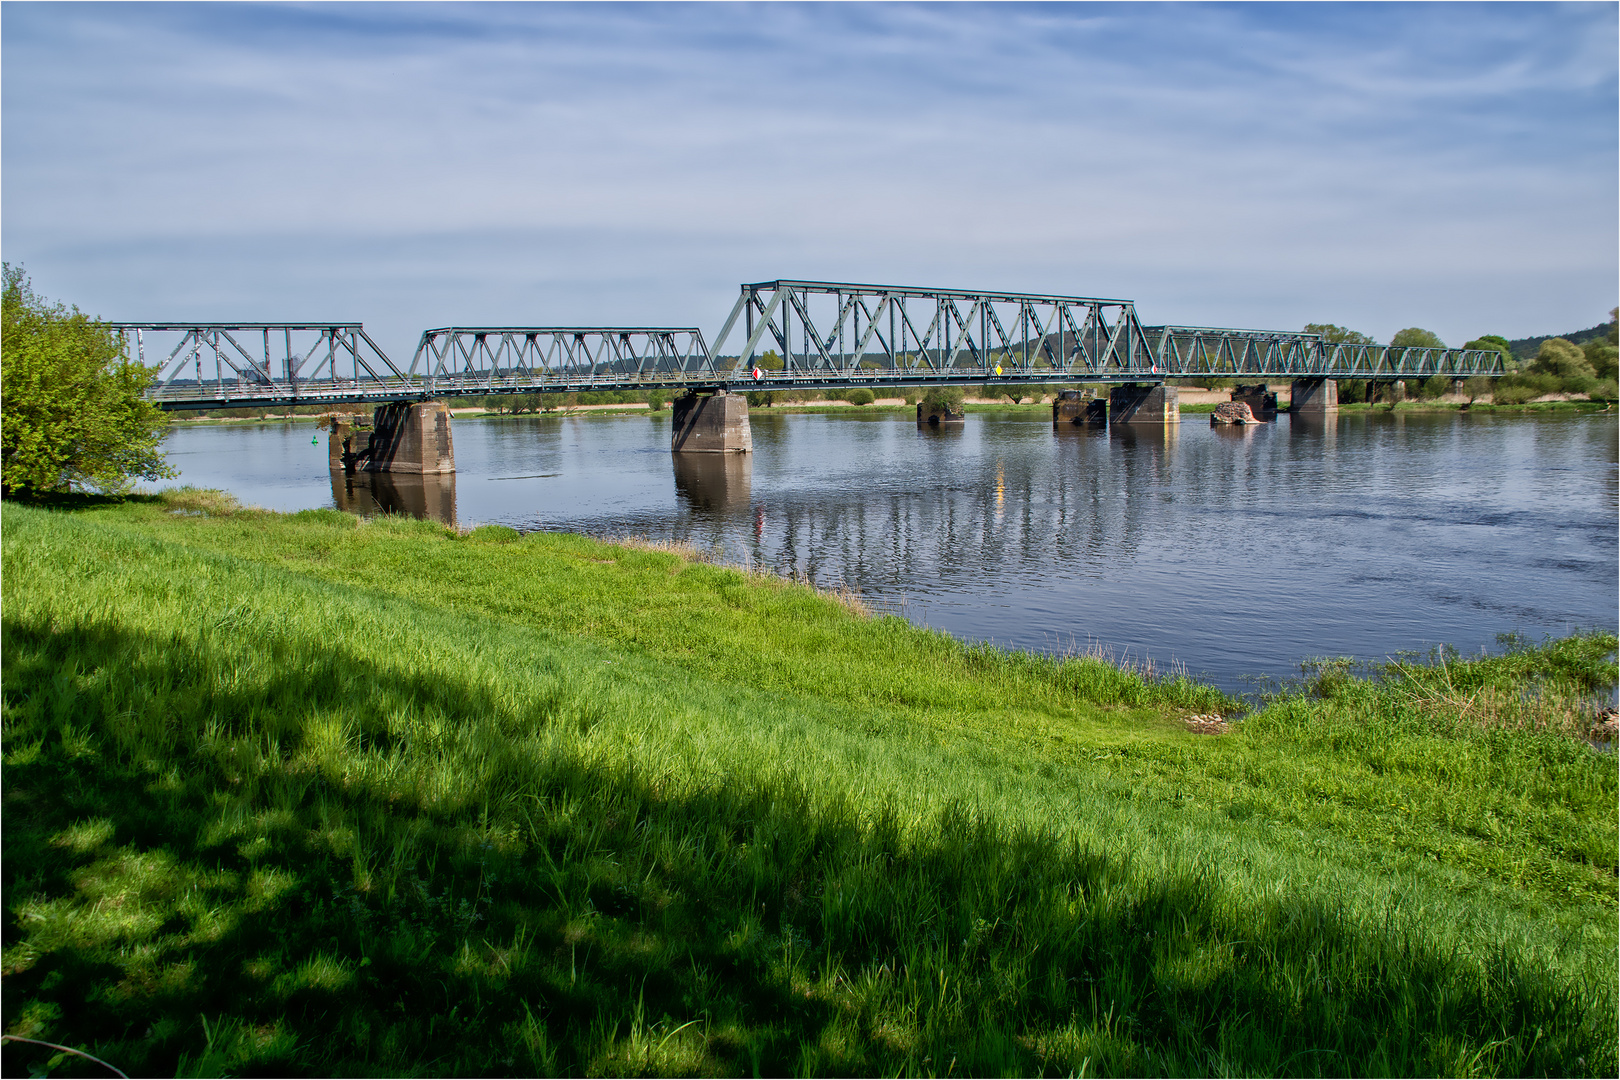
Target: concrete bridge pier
x=1144, y=403
x=1070, y=407
x=347, y=441
x=711, y=423
x=1258, y=397
x=403, y=437
x=411, y=437
x=1314, y=397
x=938, y=415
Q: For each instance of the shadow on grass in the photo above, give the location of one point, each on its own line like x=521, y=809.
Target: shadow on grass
x=200, y=877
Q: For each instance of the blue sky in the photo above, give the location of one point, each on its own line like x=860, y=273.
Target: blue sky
x=1448, y=166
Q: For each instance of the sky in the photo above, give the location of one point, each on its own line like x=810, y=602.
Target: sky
x=1378, y=166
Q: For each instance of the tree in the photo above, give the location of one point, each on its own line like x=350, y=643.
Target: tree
x=70, y=400
x=1337, y=335
x=1563, y=359
x=1414, y=337
x=1603, y=354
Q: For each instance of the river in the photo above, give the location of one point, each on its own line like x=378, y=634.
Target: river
x=1234, y=552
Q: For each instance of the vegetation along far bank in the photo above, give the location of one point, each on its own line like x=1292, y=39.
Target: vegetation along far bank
x=314, y=795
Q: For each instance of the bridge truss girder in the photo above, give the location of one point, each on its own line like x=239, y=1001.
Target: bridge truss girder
x=1193, y=351
x=831, y=334
x=492, y=360
x=215, y=364
x=885, y=334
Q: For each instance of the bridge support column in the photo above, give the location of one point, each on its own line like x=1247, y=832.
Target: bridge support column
x=1139, y=403
x=935, y=415
x=714, y=423
x=1258, y=397
x=1314, y=397
x=412, y=437
x=1070, y=407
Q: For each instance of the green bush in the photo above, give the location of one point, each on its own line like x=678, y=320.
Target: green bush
x=860, y=396
x=1604, y=358
x=943, y=397
x=1436, y=386
x=73, y=414
x=1562, y=359
x=656, y=400
x=1524, y=386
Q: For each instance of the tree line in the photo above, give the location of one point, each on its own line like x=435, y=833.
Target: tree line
x=1558, y=366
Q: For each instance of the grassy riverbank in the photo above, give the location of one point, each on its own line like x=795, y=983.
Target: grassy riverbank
x=310, y=795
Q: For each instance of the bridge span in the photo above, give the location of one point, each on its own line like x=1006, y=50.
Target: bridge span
x=788, y=334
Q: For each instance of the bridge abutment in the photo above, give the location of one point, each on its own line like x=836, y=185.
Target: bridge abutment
x=1313, y=397
x=411, y=437
x=714, y=423
x=1137, y=403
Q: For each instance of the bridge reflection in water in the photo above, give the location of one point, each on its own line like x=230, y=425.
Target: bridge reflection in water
x=368, y=494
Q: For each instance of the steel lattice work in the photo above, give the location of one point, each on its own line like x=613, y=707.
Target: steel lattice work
x=253, y=364
x=831, y=333
x=492, y=360
x=814, y=334
x=1191, y=351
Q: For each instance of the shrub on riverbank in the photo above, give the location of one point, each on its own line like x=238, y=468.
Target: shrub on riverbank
x=1561, y=367
x=304, y=794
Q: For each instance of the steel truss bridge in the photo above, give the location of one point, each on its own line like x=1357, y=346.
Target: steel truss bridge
x=789, y=334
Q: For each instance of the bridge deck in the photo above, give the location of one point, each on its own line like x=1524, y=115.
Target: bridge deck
x=824, y=335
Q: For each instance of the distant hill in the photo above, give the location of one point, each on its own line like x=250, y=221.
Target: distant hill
x=1526, y=348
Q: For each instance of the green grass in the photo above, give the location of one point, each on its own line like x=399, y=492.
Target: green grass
x=309, y=795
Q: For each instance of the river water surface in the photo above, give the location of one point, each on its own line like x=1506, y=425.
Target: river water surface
x=1235, y=552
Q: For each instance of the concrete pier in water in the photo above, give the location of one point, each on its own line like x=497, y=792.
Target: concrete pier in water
x=1313, y=397
x=714, y=423
x=404, y=437
x=934, y=415
x=1140, y=403
x=1260, y=398
x=1069, y=407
